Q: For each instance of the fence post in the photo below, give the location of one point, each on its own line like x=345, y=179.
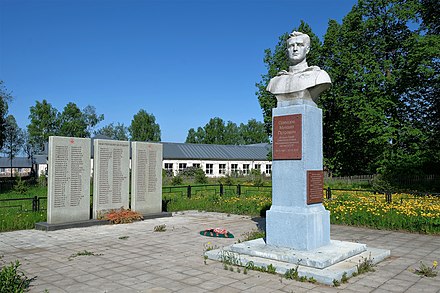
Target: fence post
x=188, y=191
x=34, y=203
x=329, y=193
x=238, y=189
x=38, y=204
x=221, y=189
x=388, y=197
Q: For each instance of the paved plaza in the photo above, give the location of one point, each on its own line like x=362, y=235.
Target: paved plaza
x=135, y=258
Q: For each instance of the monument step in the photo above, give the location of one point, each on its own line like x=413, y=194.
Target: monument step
x=325, y=275
x=320, y=258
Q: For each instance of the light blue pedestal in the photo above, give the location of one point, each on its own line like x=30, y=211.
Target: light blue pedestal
x=291, y=222
x=297, y=233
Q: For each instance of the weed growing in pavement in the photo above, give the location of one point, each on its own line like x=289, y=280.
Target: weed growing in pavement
x=123, y=237
x=426, y=271
x=160, y=228
x=292, y=274
x=230, y=258
x=365, y=265
x=254, y=234
x=208, y=246
x=83, y=253
x=271, y=269
x=344, y=278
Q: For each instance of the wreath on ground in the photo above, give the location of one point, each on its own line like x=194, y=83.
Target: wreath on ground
x=217, y=232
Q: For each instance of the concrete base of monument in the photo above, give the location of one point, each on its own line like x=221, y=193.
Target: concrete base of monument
x=79, y=224
x=324, y=264
x=299, y=228
x=157, y=215
x=44, y=226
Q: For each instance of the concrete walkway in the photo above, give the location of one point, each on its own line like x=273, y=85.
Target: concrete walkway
x=134, y=258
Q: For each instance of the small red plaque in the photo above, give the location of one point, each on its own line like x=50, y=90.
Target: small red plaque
x=287, y=137
x=315, y=185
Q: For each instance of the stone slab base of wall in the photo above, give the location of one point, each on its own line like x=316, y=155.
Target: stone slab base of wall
x=324, y=264
x=44, y=226
x=157, y=215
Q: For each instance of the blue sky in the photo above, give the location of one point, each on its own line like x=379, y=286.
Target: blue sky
x=183, y=61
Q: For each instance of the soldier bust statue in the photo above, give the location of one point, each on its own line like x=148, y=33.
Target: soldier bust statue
x=301, y=84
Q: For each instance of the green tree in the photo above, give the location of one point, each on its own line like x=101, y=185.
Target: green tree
x=143, y=127
x=118, y=131
x=195, y=136
x=91, y=118
x=13, y=139
x=382, y=112
x=43, y=123
x=217, y=132
x=253, y=132
x=380, y=89
x=232, y=135
x=214, y=131
x=5, y=96
x=76, y=123
x=27, y=146
x=72, y=122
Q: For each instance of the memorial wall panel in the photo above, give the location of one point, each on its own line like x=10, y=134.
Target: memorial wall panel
x=146, y=177
x=68, y=180
x=111, y=175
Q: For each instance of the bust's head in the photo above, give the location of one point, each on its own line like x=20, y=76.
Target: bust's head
x=298, y=45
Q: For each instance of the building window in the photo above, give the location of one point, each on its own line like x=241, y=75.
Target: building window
x=2, y=170
x=245, y=169
x=169, y=166
x=258, y=167
x=222, y=169
x=182, y=167
x=209, y=168
x=268, y=169
x=234, y=169
x=196, y=165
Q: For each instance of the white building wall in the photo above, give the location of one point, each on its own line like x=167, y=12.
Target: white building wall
x=216, y=166
x=203, y=163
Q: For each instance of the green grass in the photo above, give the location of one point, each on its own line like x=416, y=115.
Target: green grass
x=18, y=215
x=250, y=203
x=420, y=214
x=405, y=212
x=11, y=221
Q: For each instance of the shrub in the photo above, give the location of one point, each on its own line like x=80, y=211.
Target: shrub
x=13, y=280
x=256, y=177
x=20, y=186
x=200, y=177
x=177, y=180
x=227, y=180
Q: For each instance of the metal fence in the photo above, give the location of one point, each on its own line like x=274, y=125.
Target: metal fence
x=37, y=203
x=31, y=204
x=388, y=195
x=216, y=189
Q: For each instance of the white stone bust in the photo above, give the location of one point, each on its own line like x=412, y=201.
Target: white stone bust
x=301, y=84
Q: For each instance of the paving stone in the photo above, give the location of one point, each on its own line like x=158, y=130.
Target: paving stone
x=173, y=261
x=227, y=289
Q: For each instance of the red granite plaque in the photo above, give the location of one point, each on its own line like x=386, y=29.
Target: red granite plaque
x=287, y=137
x=315, y=185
